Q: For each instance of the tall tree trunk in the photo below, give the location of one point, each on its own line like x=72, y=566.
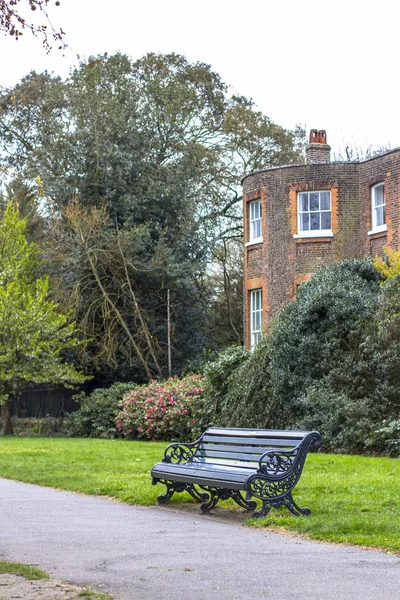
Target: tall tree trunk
x=169, y=333
x=8, y=428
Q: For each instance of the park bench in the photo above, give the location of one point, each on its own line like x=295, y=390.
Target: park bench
x=240, y=464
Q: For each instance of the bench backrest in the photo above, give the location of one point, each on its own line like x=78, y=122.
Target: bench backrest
x=243, y=447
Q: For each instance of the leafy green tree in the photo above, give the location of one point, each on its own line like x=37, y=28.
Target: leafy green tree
x=161, y=145
x=151, y=139
x=33, y=333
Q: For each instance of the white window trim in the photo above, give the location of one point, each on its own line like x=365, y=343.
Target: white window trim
x=381, y=229
x=254, y=332
x=377, y=228
x=254, y=240
x=312, y=233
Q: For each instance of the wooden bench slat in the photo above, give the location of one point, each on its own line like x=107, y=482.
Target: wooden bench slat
x=239, y=456
x=260, y=448
x=239, y=432
x=206, y=470
x=251, y=440
x=250, y=465
x=206, y=480
x=201, y=466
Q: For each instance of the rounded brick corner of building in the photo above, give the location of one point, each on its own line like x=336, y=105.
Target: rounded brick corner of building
x=298, y=218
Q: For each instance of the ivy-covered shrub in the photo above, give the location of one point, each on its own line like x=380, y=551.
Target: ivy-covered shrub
x=217, y=373
x=330, y=361
x=249, y=401
x=335, y=356
x=97, y=413
x=322, y=332
x=386, y=439
x=165, y=410
x=344, y=419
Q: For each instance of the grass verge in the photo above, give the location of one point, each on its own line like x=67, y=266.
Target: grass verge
x=26, y=571
x=354, y=499
x=34, y=574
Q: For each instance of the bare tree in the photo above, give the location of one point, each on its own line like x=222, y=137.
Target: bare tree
x=104, y=288
x=13, y=22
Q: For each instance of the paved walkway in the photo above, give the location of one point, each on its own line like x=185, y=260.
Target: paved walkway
x=140, y=553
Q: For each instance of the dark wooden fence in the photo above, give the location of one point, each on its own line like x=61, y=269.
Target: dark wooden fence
x=47, y=401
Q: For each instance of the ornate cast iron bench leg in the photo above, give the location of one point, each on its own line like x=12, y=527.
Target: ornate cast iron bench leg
x=216, y=494
x=294, y=508
x=274, y=495
x=177, y=486
x=286, y=501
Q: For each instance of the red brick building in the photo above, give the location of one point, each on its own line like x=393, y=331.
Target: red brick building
x=300, y=217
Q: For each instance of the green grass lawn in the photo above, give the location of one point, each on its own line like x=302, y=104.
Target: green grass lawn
x=354, y=499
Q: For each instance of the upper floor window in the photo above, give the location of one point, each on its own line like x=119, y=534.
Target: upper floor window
x=314, y=214
x=255, y=221
x=255, y=317
x=378, y=207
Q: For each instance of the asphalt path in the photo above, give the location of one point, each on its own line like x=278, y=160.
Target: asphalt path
x=159, y=553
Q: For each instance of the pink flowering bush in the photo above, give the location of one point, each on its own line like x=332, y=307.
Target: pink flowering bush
x=162, y=410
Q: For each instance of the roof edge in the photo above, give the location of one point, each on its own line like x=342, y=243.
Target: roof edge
x=335, y=162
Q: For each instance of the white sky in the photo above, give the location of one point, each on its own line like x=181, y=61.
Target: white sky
x=325, y=65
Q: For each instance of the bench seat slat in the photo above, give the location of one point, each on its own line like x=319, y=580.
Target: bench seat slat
x=192, y=467
x=201, y=472
x=253, y=466
x=204, y=479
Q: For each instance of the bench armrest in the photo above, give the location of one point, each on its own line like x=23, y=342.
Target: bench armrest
x=277, y=462
x=178, y=452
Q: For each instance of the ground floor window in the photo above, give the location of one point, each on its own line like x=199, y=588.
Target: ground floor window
x=255, y=317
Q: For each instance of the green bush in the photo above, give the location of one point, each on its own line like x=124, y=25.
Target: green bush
x=386, y=439
x=162, y=410
x=344, y=420
x=97, y=412
x=323, y=329
x=217, y=373
x=249, y=401
x=331, y=361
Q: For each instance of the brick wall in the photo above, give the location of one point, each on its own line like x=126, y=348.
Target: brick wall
x=282, y=262
x=385, y=169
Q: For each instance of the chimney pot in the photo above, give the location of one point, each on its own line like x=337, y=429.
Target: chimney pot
x=317, y=151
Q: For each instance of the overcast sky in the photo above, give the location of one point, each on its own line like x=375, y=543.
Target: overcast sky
x=324, y=65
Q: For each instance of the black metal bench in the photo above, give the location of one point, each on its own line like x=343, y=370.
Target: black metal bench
x=223, y=463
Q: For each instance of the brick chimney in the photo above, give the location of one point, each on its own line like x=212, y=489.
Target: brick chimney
x=318, y=151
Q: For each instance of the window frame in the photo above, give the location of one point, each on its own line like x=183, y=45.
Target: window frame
x=256, y=334
x=257, y=220
x=302, y=233
x=377, y=228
